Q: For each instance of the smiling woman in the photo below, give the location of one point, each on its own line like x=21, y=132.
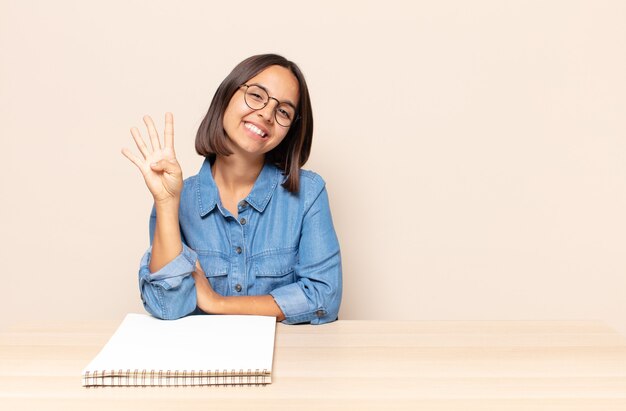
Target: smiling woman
x=247, y=117
x=252, y=232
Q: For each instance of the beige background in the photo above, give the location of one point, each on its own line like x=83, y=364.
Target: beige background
x=474, y=151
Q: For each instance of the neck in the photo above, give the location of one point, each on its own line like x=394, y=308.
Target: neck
x=235, y=174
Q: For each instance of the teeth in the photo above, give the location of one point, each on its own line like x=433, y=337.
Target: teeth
x=255, y=129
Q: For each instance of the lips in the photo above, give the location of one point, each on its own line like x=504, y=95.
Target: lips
x=255, y=129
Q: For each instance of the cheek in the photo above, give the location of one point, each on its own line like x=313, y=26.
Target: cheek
x=231, y=120
x=235, y=111
x=229, y=114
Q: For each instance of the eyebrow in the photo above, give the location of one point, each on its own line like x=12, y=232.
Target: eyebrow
x=268, y=93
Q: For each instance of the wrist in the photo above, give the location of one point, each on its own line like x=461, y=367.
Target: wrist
x=169, y=206
x=207, y=299
x=215, y=303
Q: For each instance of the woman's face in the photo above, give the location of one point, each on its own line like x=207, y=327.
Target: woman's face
x=255, y=132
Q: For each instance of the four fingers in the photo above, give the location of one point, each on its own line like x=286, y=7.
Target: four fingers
x=161, y=159
x=154, y=138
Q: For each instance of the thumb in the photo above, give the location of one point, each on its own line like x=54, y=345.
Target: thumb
x=168, y=166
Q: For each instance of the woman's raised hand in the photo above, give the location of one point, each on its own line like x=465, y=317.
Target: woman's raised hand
x=159, y=166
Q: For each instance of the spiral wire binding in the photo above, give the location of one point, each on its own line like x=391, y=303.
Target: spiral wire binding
x=153, y=378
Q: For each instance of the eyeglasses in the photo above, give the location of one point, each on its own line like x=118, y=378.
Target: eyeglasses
x=256, y=98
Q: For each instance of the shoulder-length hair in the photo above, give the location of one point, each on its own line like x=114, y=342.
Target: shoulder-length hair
x=292, y=152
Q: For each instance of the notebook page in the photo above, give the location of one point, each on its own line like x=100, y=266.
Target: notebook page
x=198, y=342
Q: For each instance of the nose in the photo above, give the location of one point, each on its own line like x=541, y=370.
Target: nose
x=267, y=112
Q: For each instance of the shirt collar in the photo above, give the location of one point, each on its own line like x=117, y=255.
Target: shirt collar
x=260, y=195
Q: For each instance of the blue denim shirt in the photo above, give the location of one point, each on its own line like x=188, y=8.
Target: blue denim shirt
x=282, y=244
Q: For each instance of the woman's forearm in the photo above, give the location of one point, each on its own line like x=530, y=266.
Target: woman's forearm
x=213, y=303
x=250, y=305
x=166, y=244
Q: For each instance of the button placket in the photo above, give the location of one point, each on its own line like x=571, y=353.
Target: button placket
x=237, y=272
x=238, y=279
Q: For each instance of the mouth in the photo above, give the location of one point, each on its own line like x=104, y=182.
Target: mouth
x=256, y=130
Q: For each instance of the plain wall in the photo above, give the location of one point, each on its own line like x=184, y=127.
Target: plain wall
x=474, y=152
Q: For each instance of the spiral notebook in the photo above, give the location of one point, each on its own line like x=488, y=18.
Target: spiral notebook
x=194, y=350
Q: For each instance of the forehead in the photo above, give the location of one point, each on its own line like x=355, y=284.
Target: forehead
x=279, y=82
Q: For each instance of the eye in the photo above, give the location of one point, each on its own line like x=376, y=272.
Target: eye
x=255, y=96
x=284, y=113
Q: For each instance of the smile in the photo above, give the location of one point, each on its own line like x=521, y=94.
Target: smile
x=255, y=129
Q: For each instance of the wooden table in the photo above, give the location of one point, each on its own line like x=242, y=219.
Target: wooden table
x=355, y=365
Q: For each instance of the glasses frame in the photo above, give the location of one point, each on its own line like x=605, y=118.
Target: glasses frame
x=296, y=115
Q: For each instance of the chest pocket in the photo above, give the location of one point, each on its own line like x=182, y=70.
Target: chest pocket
x=216, y=269
x=272, y=270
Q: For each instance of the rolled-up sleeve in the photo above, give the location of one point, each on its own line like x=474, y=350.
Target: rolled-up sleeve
x=316, y=295
x=169, y=293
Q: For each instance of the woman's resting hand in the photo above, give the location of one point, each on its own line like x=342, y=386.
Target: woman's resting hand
x=206, y=296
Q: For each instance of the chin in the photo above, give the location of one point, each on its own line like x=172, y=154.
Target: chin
x=250, y=150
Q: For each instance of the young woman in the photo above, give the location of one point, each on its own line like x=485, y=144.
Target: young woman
x=251, y=233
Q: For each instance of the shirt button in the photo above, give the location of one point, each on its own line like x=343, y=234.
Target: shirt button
x=242, y=221
x=243, y=204
x=238, y=250
x=320, y=313
x=238, y=288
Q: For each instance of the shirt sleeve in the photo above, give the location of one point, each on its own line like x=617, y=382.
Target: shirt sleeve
x=169, y=293
x=315, y=297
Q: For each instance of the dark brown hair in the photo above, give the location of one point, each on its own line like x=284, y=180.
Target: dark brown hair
x=292, y=152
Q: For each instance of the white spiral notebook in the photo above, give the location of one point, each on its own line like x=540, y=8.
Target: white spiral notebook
x=194, y=350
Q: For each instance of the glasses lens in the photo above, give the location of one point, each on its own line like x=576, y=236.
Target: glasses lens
x=256, y=97
x=285, y=115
